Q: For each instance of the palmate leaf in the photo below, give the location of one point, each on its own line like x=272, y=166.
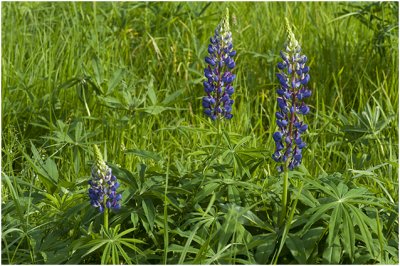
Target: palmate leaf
x=46, y=170
x=341, y=213
x=112, y=241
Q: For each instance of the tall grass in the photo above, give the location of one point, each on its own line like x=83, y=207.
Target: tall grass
x=128, y=77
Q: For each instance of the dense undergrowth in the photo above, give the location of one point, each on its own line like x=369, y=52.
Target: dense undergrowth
x=128, y=77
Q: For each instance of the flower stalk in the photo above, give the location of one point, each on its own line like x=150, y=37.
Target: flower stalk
x=293, y=78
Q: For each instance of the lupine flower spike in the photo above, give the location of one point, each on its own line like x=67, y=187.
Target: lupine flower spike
x=103, y=186
x=293, y=78
x=218, y=86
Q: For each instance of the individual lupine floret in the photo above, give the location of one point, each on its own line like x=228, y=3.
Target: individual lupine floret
x=103, y=186
x=218, y=86
x=293, y=77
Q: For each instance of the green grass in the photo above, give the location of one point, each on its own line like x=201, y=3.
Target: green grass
x=128, y=77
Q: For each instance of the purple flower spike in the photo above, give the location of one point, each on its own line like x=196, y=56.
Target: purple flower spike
x=293, y=78
x=103, y=186
x=218, y=86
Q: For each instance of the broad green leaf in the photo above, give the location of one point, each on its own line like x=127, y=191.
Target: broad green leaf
x=127, y=231
x=334, y=223
x=68, y=84
x=51, y=169
x=145, y=154
x=134, y=218
x=124, y=255
x=227, y=230
x=326, y=188
x=94, y=244
x=179, y=249
x=149, y=211
x=348, y=234
x=233, y=194
x=303, y=248
x=115, y=80
x=207, y=190
x=113, y=102
x=41, y=169
x=186, y=248
x=210, y=204
x=318, y=212
x=151, y=93
x=172, y=97
x=219, y=254
x=308, y=199
x=297, y=248
x=365, y=233
x=98, y=70
x=155, y=109
x=265, y=246
x=332, y=254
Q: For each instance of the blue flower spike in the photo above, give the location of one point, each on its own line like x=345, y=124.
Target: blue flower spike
x=293, y=78
x=103, y=185
x=219, y=73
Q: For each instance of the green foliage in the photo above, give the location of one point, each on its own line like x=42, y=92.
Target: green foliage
x=111, y=243
x=127, y=76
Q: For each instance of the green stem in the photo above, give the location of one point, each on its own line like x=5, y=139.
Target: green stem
x=105, y=214
x=219, y=137
x=211, y=157
x=284, y=194
x=84, y=100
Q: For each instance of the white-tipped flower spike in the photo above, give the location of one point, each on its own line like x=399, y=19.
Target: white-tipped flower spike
x=218, y=87
x=103, y=186
x=293, y=78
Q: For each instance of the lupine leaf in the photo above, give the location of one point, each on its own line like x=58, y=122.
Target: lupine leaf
x=332, y=254
x=115, y=80
x=334, y=223
x=297, y=248
x=318, y=212
x=365, y=233
x=265, y=246
x=127, y=242
x=206, y=191
x=94, y=244
x=172, y=97
x=151, y=93
x=187, y=246
x=348, y=234
x=149, y=211
x=98, y=70
x=144, y=154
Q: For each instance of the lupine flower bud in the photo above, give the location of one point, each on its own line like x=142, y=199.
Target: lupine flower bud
x=293, y=79
x=103, y=186
x=218, y=86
